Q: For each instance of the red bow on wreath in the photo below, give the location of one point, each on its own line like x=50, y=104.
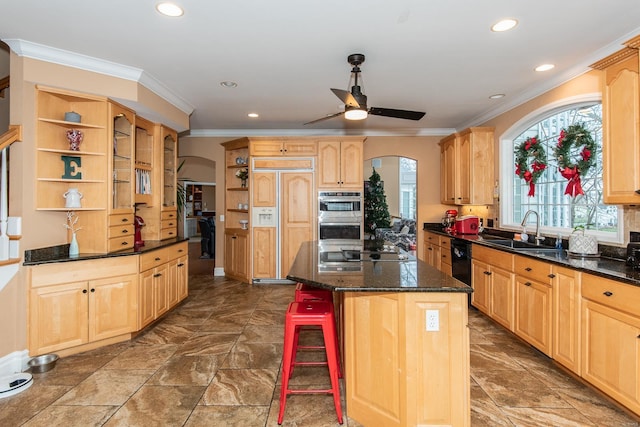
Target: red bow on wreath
x=574, y=186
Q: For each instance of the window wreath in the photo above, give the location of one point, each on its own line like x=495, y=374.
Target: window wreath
x=530, y=149
x=568, y=150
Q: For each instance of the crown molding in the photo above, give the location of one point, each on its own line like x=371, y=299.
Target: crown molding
x=84, y=62
x=239, y=133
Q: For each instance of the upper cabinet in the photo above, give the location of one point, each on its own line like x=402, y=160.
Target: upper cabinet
x=467, y=167
x=340, y=164
x=144, y=187
x=169, y=156
x=121, y=159
x=621, y=125
x=276, y=147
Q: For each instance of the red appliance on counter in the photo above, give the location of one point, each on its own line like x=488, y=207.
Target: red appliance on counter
x=449, y=221
x=468, y=224
x=138, y=223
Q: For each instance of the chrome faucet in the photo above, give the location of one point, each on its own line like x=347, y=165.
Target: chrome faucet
x=538, y=237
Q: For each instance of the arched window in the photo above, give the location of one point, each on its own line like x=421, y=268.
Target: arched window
x=559, y=213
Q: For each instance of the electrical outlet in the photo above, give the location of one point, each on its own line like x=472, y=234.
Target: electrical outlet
x=433, y=320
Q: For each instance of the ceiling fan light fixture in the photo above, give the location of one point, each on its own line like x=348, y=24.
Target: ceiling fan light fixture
x=355, y=114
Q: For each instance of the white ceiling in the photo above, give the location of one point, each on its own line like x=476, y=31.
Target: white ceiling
x=437, y=56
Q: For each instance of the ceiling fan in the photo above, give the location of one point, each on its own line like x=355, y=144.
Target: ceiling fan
x=355, y=102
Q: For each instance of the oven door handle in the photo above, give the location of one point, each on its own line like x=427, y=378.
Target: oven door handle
x=342, y=223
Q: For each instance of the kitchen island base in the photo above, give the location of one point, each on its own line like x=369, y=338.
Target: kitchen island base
x=398, y=373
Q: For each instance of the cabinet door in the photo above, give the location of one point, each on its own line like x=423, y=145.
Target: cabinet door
x=267, y=148
x=172, y=283
x=329, y=164
x=161, y=290
x=611, y=352
x=448, y=171
x=463, y=168
x=169, y=175
x=621, y=132
x=534, y=313
x=264, y=252
x=145, y=299
x=241, y=256
x=122, y=179
x=300, y=148
x=182, y=277
x=297, y=212
x=502, y=295
x=566, y=317
x=481, y=284
x=264, y=189
x=58, y=317
x=351, y=164
x=112, y=307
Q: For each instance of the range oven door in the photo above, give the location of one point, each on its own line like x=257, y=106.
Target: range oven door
x=339, y=231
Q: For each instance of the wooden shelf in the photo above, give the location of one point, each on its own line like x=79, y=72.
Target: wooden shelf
x=77, y=153
x=71, y=124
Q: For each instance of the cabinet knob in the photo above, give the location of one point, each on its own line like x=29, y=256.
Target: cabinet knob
x=180, y=251
x=157, y=259
x=181, y=265
x=551, y=276
x=430, y=249
x=607, y=294
x=125, y=219
x=124, y=243
x=125, y=231
x=488, y=273
x=84, y=291
x=93, y=290
x=528, y=269
x=527, y=283
x=157, y=275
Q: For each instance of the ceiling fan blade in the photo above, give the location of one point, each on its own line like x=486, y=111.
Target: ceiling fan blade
x=398, y=114
x=330, y=116
x=346, y=97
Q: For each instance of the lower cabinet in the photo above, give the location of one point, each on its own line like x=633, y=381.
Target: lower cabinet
x=533, y=307
x=566, y=315
x=611, y=338
x=80, y=305
x=95, y=302
x=163, y=279
x=236, y=258
x=437, y=251
x=493, y=284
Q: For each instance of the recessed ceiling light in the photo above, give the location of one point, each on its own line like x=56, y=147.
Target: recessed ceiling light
x=545, y=67
x=229, y=84
x=169, y=9
x=497, y=96
x=504, y=25
x=253, y=115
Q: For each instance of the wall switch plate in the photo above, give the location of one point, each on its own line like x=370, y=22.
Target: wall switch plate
x=221, y=218
x=433, y=320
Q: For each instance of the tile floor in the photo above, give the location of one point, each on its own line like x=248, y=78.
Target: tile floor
x=214, y=361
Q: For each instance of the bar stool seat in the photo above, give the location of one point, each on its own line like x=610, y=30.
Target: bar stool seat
x=315, y=313
x=309, y=293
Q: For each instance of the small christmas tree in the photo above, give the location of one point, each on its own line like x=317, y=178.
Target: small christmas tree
x=376, y=210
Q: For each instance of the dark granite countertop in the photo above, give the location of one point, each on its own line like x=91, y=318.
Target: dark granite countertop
x=61, y=253
x=410, y=275
x=603, y=266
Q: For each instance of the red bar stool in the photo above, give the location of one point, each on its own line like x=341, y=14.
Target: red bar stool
x=317, y=313
x=309, y=293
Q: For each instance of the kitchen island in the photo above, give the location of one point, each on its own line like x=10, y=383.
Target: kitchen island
x=404, y=335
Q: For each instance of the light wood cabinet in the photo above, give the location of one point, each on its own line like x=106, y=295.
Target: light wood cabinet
x=276, y=147
x=445, y=254
x=265, y=256
x=621, y=124
x=340, y=164
x=433, y=385
x=163, y=280
x=145, y=143
x=236, y=256
x=566, y=317
x=533, y=303
x=297, y=212
x=467, y=171
x=96, y=301
x=437, y=251
x=611, y=338
x=493, y=284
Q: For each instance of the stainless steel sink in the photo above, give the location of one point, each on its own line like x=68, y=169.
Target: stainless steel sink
x=521, y=246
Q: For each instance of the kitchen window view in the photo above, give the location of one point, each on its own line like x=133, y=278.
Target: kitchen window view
x=559, y=212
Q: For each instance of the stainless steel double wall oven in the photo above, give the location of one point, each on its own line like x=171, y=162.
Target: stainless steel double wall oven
x=340, y=215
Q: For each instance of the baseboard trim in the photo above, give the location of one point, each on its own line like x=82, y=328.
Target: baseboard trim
x=218, y=271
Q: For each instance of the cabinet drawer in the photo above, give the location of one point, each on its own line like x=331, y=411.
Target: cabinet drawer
x=169, y=223
x=120, y=231
x=164, y=215
x=168, y=233
x=445, y=243
x=176, y=251
x=120, y=243
x=60, y=272
x=610, y=293
x=120, y=219
x=536, y=270
x=154, y=259
x=431, y=238
x=494, y=257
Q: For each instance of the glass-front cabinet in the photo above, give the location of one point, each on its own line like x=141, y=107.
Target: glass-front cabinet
x=121, y=160
x=169, y=169
x=144, y=187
